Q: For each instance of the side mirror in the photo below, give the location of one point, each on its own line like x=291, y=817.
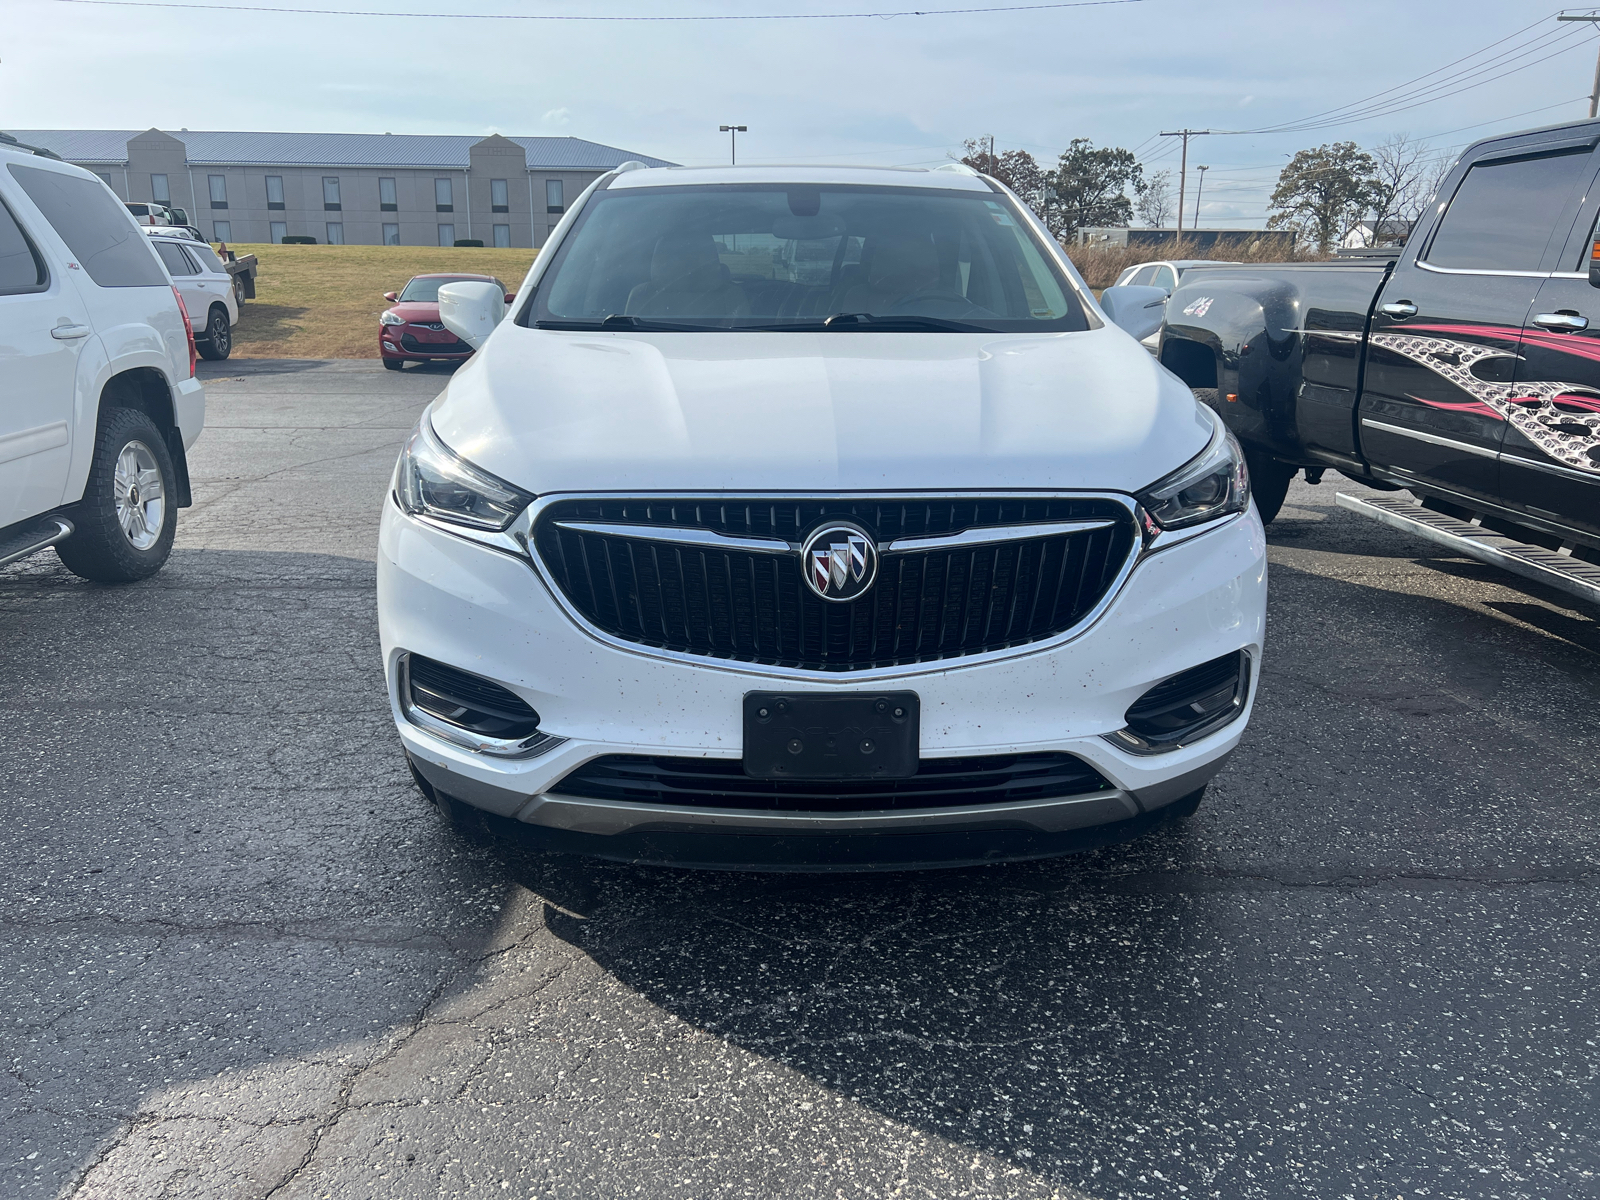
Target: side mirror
x=471, y=310
x=391, y=296
x=510, y=296
x=1137, y=310
x=1594, y=264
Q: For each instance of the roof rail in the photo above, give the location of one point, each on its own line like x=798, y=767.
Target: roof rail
x=7, y=139
x=958, y=168
x=632, y=164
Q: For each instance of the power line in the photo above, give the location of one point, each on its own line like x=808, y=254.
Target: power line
x=448, y=16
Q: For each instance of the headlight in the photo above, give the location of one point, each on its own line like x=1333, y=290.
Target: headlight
x=433, y=482
x=390, y=318
x=1210, y=485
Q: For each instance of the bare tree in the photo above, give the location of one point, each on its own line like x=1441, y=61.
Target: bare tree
x=1426, y=193
x=1154, y=199
x=1400, y=168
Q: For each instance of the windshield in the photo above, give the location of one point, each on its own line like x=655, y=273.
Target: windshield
x=426, y=291
x=776, y=256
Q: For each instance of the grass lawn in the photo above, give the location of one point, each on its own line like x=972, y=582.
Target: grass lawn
x=324, y=301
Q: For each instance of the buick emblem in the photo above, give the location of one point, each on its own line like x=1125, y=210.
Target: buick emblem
x=839, y=562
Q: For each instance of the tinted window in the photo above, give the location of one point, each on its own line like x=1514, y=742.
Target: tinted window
x=111, y=249
x=1504, y=212
x=424, y=289
x=207, y=257
x=21, y=268
x=732, y=256
x=172, y=257
x=1165, y=278
x=1145, y=277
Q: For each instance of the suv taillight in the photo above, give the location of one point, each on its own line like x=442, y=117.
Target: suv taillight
x=188, y=329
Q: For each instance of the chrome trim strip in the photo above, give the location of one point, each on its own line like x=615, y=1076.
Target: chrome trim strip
x=1474, y=271
x=531, y=746
x=681, y=536
x=1551, y=468
x=611, y=817
x=991, y=534
x=1431, y=438
x=1139, y=549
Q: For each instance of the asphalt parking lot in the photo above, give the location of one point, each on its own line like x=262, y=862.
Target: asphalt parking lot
x=242, y=957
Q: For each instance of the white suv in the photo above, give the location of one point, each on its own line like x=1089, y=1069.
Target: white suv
x=206, y=288
x=815, y=517
x=99, y=403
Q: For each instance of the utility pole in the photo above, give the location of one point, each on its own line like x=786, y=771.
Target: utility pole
x=1198, y=188
x=733, y=132
x=992, y=163
x=1594, y=96
x=1183, y=169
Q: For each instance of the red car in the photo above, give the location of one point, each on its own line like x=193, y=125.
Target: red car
x=410, y=330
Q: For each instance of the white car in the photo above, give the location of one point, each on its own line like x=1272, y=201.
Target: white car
x=712, y=557
x=206, y=287
x=99, y=404
x=1163, y=273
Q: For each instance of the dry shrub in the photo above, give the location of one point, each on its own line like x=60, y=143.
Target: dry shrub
x=1100, y=265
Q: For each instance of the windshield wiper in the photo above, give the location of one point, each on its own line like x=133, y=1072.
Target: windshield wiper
x=872, y=322
x=622, y=321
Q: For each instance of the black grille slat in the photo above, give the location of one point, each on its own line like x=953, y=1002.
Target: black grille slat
x=939, y=783
x=755, y=607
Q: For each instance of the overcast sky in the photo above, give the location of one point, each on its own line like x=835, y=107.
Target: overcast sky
x=906, y=90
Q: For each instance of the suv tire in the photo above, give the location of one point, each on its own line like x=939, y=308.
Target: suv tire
x=218, y=339
x=1269, y=482
x=123, y=532
x=394, y=364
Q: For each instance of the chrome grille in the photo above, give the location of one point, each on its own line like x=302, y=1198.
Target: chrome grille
x=747, y=604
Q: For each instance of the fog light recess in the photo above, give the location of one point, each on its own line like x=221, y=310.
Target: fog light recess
x=1186, y=707
x=468, y=710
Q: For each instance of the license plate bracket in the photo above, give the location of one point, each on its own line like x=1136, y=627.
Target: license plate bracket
x=848, y=735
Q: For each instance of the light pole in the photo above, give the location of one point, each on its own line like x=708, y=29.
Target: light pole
x=733, y=132
x=1198, y=188
x=1594, y=96
x=1183, y=169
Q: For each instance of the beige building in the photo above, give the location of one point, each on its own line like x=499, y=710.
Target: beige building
x=361, y=188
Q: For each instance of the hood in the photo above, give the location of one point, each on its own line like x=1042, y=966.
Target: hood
x=420, y=311
x=554, y=411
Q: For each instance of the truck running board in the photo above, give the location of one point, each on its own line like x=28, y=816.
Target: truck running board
x=1570, y=575
x=32, y=538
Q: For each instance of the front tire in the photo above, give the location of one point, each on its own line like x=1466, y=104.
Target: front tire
x=218, y=341
x=127, y=519
x=393, y=364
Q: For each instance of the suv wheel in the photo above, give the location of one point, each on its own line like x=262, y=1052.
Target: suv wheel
x=1269, y=482
x=127, y=519
x=218, y=341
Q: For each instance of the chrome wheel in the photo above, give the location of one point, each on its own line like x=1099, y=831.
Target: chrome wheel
x=141, y=495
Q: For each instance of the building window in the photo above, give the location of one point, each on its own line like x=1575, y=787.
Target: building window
x=391, y=235
x=221, y=231
x=219, y=190
x=330, y=193
x=158, y=190
x=499, y=196
x=553, y=201
x=275, y=192
x=387, y=202
x=442, y=196
x=279, y=230
x=105, y=178
x=335, y=233
x=447, y=235
x=502, y=235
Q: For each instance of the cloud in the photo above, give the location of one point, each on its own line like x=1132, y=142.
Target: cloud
x=556, y=116
x=1247, y=102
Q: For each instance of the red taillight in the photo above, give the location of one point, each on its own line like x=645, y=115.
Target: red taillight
x=188, y=329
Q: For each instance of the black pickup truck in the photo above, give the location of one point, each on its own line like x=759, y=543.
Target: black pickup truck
x=1464, y=369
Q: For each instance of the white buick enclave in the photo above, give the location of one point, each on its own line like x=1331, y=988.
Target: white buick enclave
x=815, y=518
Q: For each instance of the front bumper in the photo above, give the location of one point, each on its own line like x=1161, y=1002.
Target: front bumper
x=489, y=613
x=389, y=346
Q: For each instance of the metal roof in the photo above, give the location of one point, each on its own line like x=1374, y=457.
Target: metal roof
x=446, y=150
